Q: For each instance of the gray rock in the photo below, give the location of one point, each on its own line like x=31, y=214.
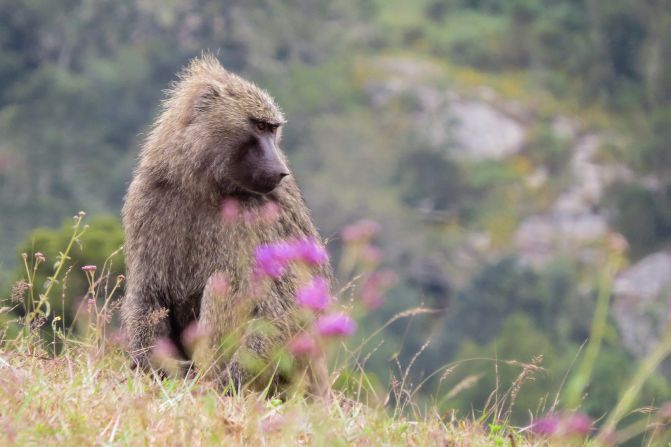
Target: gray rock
x=641, y=302
x=483, y=132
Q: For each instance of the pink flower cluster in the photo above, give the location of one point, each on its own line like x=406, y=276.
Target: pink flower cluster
x=335, y=325
x=232, y=212
x=315, y=294
x=194, y=333
x=374, y=287
x=219, y=285
x=273, y=259
x=567, y=424
x=164, y=349
x=361, y=231
x=303, y=345
x=332, y=325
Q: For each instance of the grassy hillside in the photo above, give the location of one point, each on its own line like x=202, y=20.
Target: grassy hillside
x=67, y=379
x=81, y=398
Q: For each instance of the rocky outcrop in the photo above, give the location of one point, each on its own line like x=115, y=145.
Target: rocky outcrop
x=479, y=125
x=476, y=127
x=574, y=221
x=641, y=302
x=481, y=131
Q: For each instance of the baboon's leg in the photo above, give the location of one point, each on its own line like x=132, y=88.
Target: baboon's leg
x=146, y=320
x=224, y=315
x=239, y=347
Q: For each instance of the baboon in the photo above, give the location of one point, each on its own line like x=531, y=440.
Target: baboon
x=215, y=140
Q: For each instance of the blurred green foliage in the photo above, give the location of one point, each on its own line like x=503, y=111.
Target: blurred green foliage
x=100, y=246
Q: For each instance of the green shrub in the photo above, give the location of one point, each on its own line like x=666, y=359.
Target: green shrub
x=99, y=245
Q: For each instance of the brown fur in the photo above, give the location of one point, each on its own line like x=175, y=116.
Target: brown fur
x=176, y=238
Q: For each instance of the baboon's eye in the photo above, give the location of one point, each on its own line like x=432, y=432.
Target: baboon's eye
x=262, y=127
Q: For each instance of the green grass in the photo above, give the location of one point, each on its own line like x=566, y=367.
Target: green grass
x=83, y=398
x=65, y=387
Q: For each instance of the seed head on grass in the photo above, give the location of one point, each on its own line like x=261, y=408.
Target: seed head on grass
x=18, y=292
x=156, y=316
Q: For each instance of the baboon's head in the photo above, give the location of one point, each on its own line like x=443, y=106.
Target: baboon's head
x=230, y=129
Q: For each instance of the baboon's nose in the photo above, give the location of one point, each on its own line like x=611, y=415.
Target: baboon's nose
x=279, y=176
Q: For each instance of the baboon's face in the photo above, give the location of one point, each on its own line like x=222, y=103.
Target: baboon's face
x=241, y=150
x=256, y=164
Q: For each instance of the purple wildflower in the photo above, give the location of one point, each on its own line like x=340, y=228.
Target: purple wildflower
x=273, y=423
x=218, y=284
x=315, y=294
x=270, y=212
x=303, y=345
x=273, y=259
x=335, y=324
x=374, y=287
x=566, y=424
x=89, y=268
x=371, y=254
x=310, y=251
x=39, y=256
x=230, y=209
x=193, y=333
x=578, y=423
x=548, y=425
x=665, y=411
x=164, y=349
x=361, y=231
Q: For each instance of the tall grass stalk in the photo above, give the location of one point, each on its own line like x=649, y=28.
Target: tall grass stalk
x=36, y=310
x=644, y=371
x=581, y=378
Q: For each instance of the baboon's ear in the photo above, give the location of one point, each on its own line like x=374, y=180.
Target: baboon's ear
x=206, y=96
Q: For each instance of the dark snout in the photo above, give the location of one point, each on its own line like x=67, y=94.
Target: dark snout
x=272, y=166
x=261, y=169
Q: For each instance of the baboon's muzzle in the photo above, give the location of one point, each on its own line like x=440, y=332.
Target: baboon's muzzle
x=262, y=166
